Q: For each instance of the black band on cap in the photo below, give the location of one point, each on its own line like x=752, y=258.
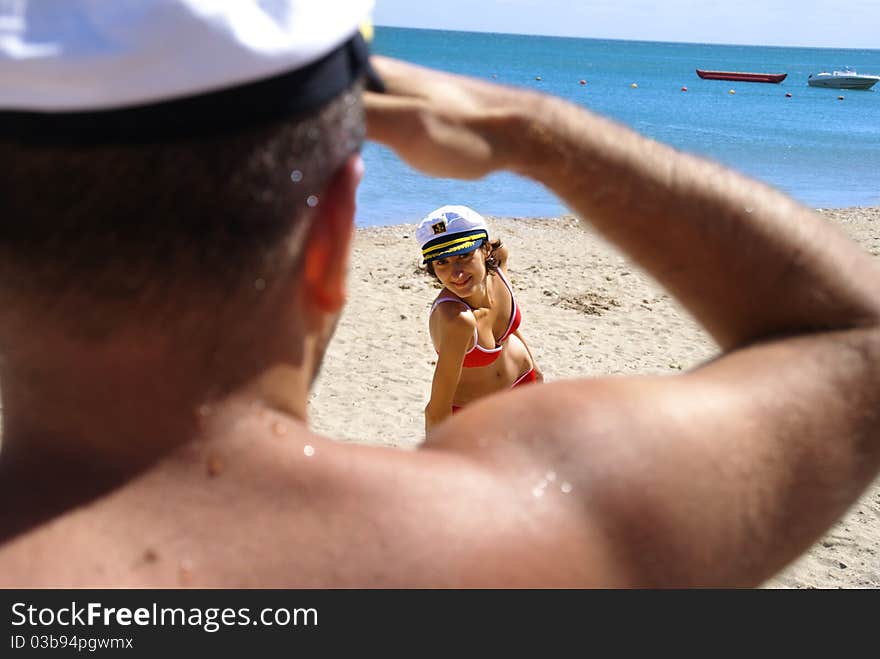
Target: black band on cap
x=205, y=114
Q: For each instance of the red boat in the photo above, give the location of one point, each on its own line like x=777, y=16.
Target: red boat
x=741, y=77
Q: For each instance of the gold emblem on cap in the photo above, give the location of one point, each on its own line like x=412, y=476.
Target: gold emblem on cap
x=440, y=227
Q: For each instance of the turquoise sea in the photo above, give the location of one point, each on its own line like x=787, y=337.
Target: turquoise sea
x=821, y=150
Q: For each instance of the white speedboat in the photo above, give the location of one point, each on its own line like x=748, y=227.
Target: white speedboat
x=842, y=80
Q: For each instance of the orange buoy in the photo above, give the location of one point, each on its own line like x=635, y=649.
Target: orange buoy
x=583, y=82
x=684, y=89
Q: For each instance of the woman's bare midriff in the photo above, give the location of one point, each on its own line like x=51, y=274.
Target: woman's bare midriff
x=500, y=375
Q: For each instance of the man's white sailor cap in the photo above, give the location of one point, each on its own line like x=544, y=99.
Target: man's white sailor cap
x=75, y=58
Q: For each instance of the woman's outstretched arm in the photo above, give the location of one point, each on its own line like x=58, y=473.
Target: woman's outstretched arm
x=452, y=331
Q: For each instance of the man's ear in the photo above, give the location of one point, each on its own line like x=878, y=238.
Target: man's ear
x=328, y=245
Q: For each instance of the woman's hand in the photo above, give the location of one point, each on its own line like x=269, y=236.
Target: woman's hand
x=433, y=416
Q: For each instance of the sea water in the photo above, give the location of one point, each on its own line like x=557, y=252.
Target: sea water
x=823, y=151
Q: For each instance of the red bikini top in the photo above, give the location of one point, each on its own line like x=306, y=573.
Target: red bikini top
x=478, y=355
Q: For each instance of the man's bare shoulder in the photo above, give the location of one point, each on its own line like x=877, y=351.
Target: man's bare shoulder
x=286, y=507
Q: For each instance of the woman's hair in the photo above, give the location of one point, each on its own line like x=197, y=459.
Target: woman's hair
x=491, y=260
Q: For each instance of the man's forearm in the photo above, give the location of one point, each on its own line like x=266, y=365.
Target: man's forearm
x=746, y=260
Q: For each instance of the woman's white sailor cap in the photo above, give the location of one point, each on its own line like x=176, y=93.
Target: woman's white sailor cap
x=450, y=231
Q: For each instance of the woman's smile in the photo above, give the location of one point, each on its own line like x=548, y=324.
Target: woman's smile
x=462, y=282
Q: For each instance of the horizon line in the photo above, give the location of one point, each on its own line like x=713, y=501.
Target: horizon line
x=565, y=36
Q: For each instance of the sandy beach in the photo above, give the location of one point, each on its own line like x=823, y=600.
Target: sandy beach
x=587, y=312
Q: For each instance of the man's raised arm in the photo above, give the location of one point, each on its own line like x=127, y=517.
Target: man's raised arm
x=724, y=474
x=746, y=260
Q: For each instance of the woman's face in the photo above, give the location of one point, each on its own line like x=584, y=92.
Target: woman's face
x=462, y=274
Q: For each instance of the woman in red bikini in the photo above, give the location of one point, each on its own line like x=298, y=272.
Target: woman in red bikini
x=474, y=322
